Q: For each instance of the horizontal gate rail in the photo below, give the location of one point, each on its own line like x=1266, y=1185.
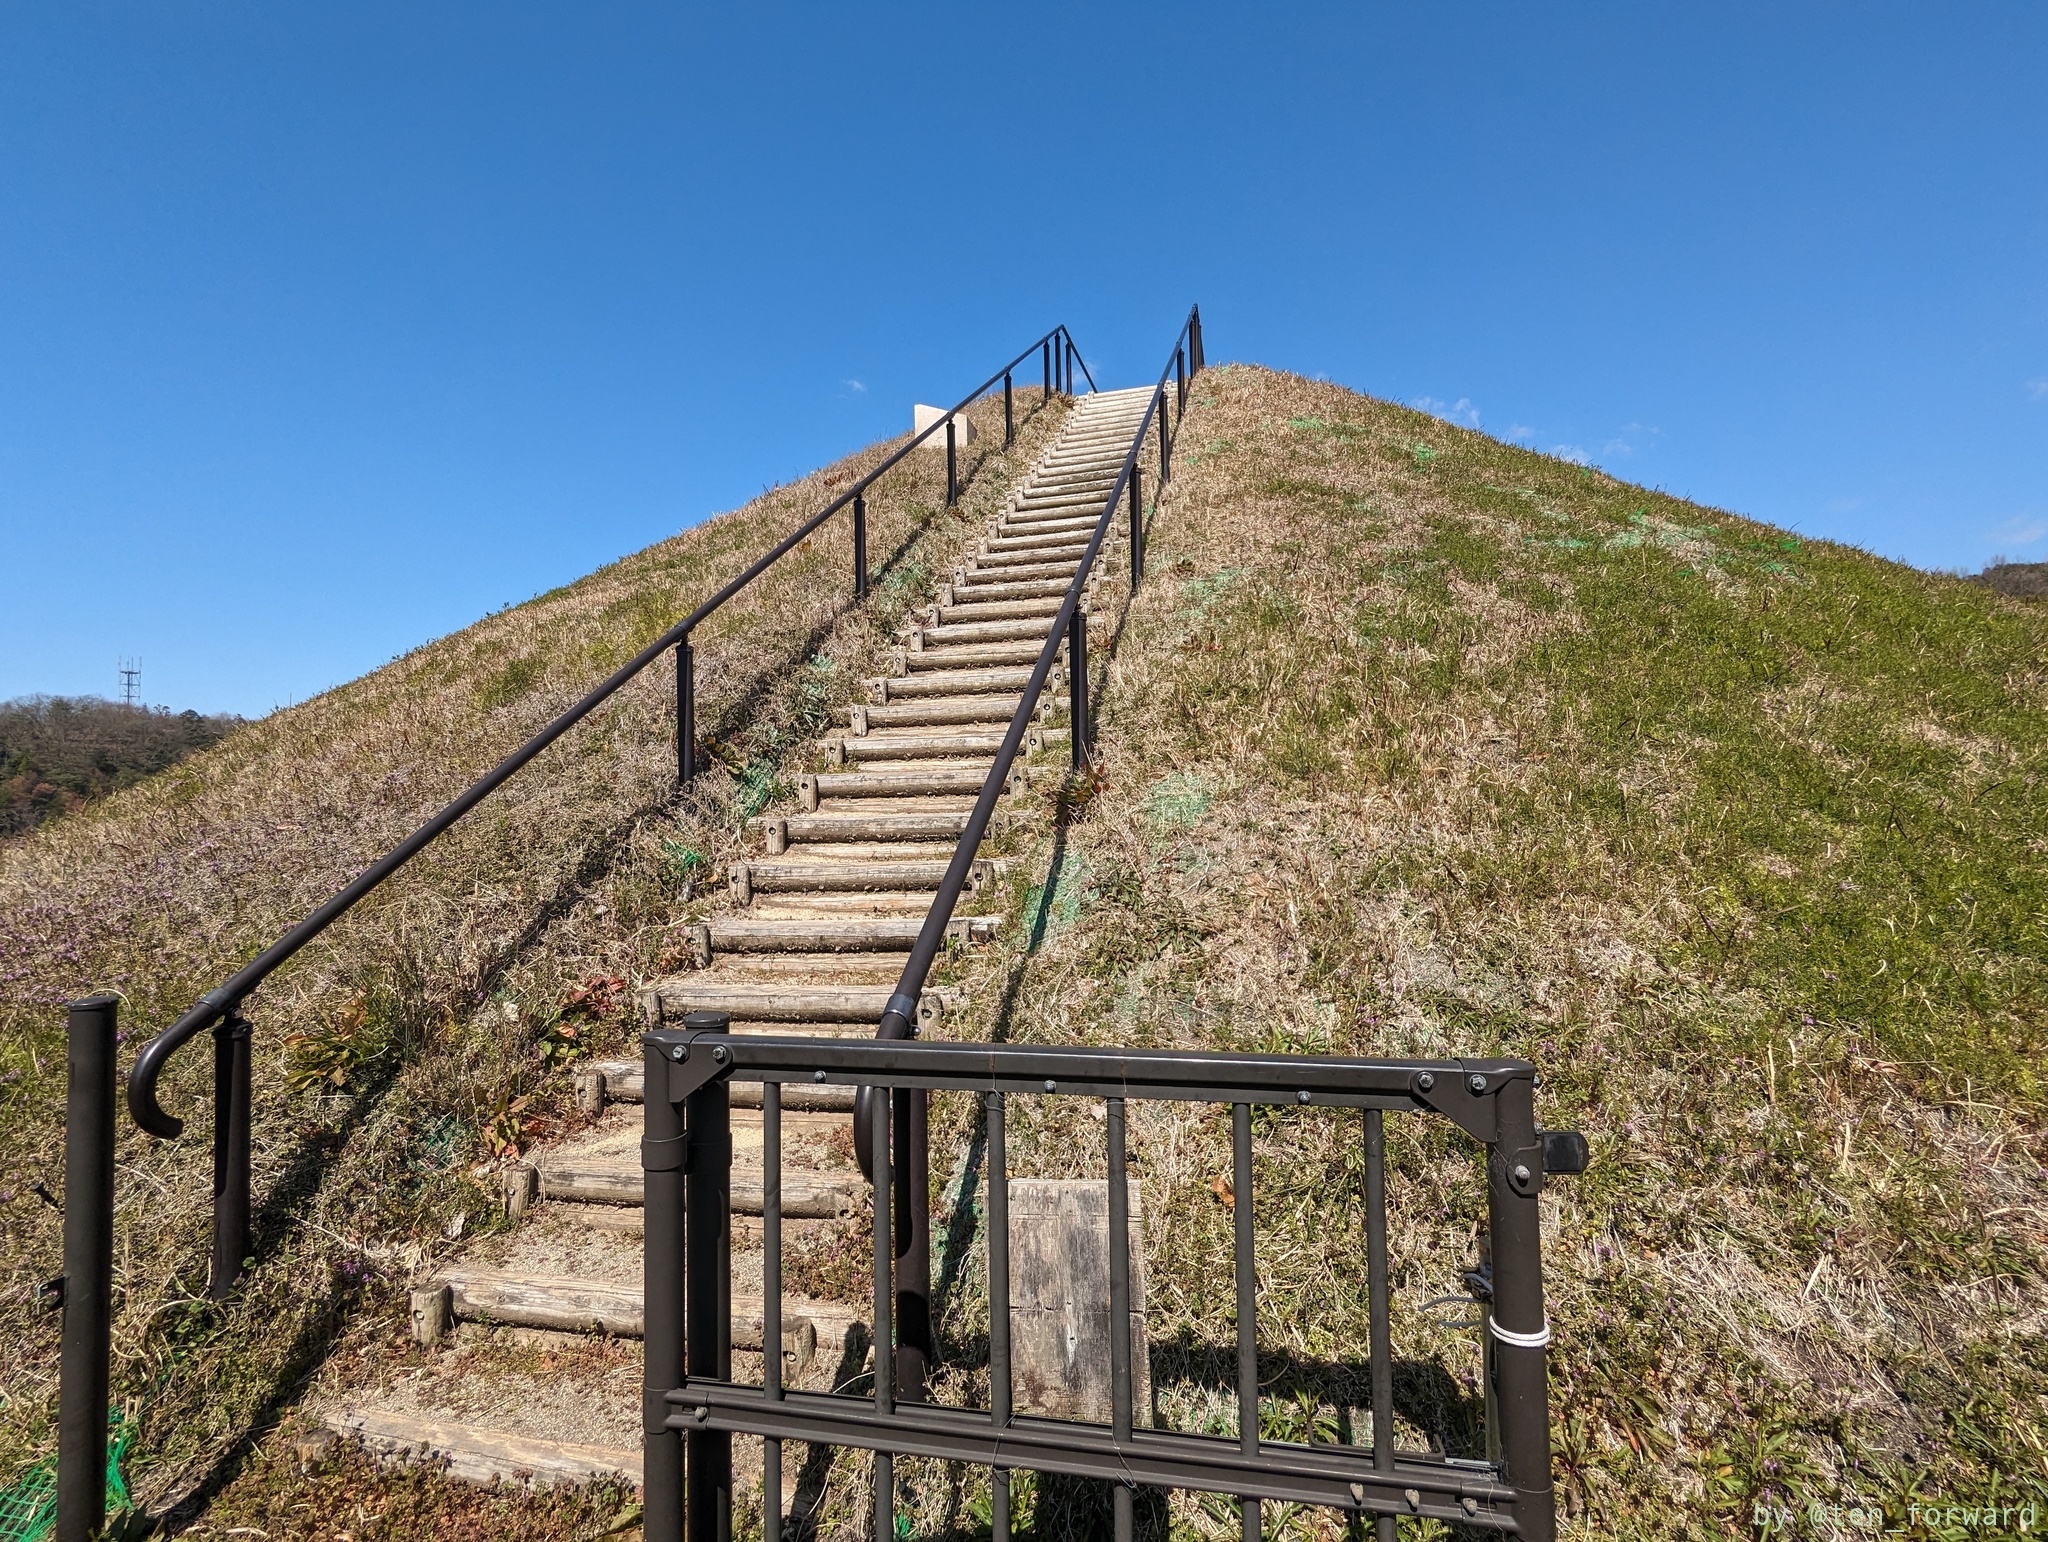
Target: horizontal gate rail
x=693, y=1406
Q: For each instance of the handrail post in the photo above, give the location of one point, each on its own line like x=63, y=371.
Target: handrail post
x=1077, y=687
x=860, y=545
x=952, y=473
x=1180, y=381
x=230, y=1153
x=1514, y=1178
x=707, y=1288
x=1070, y=366
x=1137, y=525
x=1198, y=357
x=663, y=1267
x=1165, y=446
x=686, y=709
x=1009, y=414
x=88, y=1284
x=1045, y=363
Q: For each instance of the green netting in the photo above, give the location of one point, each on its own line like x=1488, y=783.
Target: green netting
x=28, y=1510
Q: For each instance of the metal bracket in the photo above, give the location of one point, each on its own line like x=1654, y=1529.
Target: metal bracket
x=691, y=1065
x=1463, y=1092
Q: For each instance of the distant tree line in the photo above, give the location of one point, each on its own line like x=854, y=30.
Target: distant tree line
x=2021, y=580
x=61, y=752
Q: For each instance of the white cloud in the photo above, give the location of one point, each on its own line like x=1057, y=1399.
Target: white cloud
x=1572, y=453
x=1842, y=505
x=2037, y=389
x=1521, y=431
x=1460, y=411
x=855, y=387
x=2021, y=530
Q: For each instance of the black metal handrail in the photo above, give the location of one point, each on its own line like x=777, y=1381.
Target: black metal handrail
x=1183, y=360
x=694, y=1405
x=220, y=1008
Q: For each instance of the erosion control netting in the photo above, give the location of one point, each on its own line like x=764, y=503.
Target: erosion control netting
x=28, y=1510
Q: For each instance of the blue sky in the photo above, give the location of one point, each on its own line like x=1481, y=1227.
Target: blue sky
x=324, y=330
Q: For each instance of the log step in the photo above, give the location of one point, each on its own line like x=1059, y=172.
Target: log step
x=881, y=934
x=862, y=827
x=1040, y=564
x=665, y=1001
x=625, y=1081
x=949, y=634
x=974, y=655
x=476, y=1454
x=578, y=1306
x=997, y=610
x=957, y=682
x=939, y=781
x=932, y=746
x=806, y=1196
x=770, y=876
x=933, y=714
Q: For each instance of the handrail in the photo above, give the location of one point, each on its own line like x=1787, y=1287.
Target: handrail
x=221, y=1004
x=900, y=1015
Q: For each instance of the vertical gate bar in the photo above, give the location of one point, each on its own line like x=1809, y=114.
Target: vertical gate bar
x=707, y=1255
x=686, y=713
x=913, y=1245
x=230, y=1153
x=1119, y=1305
x=1514, y=1178
x=860, y=545
x=1070, y=366
x=1009, y=414
x=1077, y=687
x=878, y=1165
x=1137, y=523
x=1376, y=1302
x=771, y=1302
x=952, y=476
x=88, y=1267
x=1045, y=364
x=1180, y=381
x=1247, y=1290
x=998, y=1219
x=663, y=1265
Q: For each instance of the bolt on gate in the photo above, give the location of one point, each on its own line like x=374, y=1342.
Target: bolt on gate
x=694, y=1407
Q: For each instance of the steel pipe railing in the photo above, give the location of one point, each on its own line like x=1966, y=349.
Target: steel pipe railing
x=220, y=1008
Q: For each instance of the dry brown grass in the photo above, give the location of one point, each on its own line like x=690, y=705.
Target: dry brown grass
x=417, y=1018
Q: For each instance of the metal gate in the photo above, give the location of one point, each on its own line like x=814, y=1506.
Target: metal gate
x=694, y=1407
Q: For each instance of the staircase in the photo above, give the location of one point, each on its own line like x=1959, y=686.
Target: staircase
x=811, y=939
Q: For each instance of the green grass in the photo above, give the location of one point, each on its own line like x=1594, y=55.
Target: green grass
x=1739, y=837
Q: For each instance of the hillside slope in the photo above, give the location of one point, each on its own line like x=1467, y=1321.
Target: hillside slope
x=1421, y=744
x=413, y=1046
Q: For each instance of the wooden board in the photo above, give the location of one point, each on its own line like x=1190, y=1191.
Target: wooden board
x=1059, y=1300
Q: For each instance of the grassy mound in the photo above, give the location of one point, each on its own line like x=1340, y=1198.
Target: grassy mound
x=418, y=1044
x=1416, y=743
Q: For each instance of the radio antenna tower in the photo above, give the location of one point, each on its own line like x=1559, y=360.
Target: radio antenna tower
x=131, y=682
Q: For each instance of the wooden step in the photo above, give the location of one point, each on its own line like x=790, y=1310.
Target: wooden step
x=952, y=656
x=902, y=746
x=570, y=1305
x=997, y=610
x=784, y=828
x=966, y=781
x=975, y=591
x=1056, y=540
x=806, y=1195
x=956, y=682
x=951, y=634
x=666, y=1000
x=1006, y=572
x=891, y=934
x=934, y=714
x=477, y=1454
x=625, y=1081
x=1045, y=563
x=772, y=875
